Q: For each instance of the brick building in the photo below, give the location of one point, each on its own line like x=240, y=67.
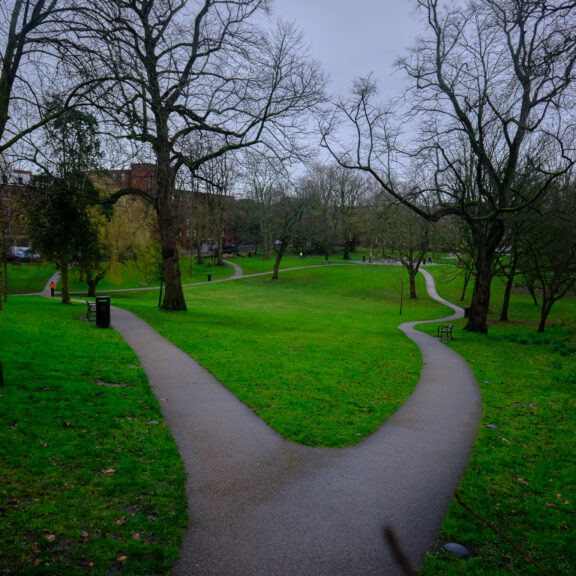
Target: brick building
x=13, y=225
x=201, y=217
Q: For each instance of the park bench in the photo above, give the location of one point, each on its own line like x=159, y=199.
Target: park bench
x=445, y=332
x=90, y=310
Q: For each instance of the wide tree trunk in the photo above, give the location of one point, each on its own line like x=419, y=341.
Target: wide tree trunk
x=478, y=314
x=168, y=228
x=487, y=237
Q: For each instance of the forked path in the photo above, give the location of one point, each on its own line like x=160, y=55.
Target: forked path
x=262, y=506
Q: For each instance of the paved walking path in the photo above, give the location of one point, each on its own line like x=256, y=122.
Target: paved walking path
x=262, y=506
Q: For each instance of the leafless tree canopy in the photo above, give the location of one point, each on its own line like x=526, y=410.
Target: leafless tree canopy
x=30, y=33
x=491, y=85
x=171, y=71
x=491, y=101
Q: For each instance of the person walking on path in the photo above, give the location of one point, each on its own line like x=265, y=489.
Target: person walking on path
x=262, y=506
x=52, y=288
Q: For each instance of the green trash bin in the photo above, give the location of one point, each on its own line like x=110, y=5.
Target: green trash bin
x=103, y=311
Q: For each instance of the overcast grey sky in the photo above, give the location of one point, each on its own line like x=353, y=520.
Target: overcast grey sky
x=352, y=38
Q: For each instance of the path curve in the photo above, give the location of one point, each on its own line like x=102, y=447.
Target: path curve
x=262, y=506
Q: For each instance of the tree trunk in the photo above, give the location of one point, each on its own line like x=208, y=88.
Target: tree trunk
x=220, y=251
x=173, y=294
x=508, y=291
x=3, y=267
x=3, y=282
x=544, y=312
x=93, y=281
x=467, y=276
x=266, y=239
x=279, y=256
x=531, y=286
x=478, y=314
x=64, y=279
x=168, y=228
x=487, y=237
x=412, y=274
x=506, y=302
x=346, y=250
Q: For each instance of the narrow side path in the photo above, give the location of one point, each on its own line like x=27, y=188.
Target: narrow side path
x=262, y=506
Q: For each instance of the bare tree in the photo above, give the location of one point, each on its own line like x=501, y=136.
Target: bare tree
x=547, y=251
x=288, y=209
x=30, y=30
x=264, y=177
x=348, y=191
x=408, y=238
x=329, y=203
x=490, y=92
x=215, y=180
x=175, y=71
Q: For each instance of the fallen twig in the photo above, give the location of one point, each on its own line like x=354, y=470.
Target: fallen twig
x=398, y=553
x=495, y=528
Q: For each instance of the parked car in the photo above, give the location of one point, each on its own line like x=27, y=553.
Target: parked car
x=21, y=254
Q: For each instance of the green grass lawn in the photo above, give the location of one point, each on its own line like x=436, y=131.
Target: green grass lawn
x=317, y=354
x=522, y=474
x=28, y=277
x=88, y=482
x=259, y=265
x=126, y=275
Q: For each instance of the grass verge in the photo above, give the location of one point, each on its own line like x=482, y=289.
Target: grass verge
x=90, y=477
x=521, y=477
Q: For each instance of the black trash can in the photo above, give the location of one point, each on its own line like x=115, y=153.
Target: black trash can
x=467, y=312
x=103, y=311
